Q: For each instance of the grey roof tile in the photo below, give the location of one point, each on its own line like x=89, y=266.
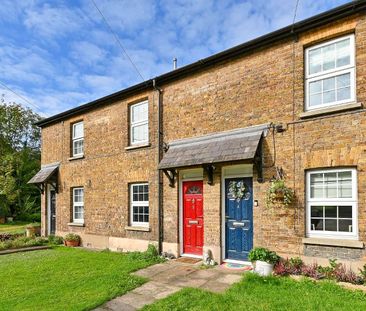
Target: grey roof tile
x=239, y=144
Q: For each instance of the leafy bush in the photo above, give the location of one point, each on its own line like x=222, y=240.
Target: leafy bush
x=312, y=271
x=72, y=237
x=10, y=236
x=263, y=254
x=151, y=254
x=363, y=273
x=152, y=251
x=23, y=242
x=55, y=240
x=34, y=217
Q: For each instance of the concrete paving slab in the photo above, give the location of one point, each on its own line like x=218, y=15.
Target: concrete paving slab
x=216, y=287
x=153, y=270
x=229, y=278
x=156, y=290
x=205, y=274
x=133, y=300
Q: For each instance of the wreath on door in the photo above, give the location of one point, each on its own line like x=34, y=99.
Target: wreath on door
x=238, y=190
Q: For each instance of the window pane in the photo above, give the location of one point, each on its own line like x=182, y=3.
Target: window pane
x=315, y=58
x=331, y=225
x=135, y=217
x=140, y=133
x=317, y=224
x=139, y=112
x=345, y=211
x=317, y=211
x=329, y=97
x=343, y=94
x=330, y=183
x=315, y=100
x=146, y=218
x=315, y=87
x=146, y=209
x=329, y=57
x=345, y=225
x=78, y=195
x=78, y=130
x=343, y=53
x=78, y=147
x=331, y=211
x=343, y=80
x=328, y=84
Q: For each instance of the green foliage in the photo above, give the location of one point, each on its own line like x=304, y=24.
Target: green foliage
x=23, y=242
x=19, y=160
x=279, y=193
x=55, y=240
x=363, y=272
x=72, y=237
x=263, y=254
x=296, y=262
x=66, y=278
x=265, y=293
x=152, y=250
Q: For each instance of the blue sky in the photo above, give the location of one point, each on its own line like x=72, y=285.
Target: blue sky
x=60, y=54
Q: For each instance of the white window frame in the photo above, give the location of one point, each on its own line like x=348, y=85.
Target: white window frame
x=351, y=69
x=77, y=138
x=79, y=204
x=138, y=203
x=134, y=124
x=333, y=202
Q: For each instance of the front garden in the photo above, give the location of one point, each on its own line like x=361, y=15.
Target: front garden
x=68, y=278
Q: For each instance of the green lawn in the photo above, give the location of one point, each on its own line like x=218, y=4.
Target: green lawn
x=256, y=293
x=16, y=227
x=66, y=279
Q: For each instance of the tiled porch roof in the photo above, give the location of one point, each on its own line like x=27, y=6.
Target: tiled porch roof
x=44, y=174
x=235, y=145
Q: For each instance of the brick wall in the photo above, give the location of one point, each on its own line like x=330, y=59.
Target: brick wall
x=259, y=87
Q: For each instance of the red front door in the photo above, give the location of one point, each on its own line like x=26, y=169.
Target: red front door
x=193, y=217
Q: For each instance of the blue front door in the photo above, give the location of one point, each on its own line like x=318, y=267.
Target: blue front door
x=238, y=217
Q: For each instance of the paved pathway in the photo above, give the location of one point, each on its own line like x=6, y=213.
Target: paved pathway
x=168, y=278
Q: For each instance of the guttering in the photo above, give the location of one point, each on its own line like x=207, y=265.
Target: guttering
x=159, y=172
x=263, y=41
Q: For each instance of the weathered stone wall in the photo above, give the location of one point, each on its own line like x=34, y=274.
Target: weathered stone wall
x=264, y=86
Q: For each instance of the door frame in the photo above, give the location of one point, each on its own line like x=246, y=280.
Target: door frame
x=227, y=172
x=49, y=189
x=195, y=174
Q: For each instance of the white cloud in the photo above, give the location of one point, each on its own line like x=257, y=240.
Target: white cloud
x=61, y=54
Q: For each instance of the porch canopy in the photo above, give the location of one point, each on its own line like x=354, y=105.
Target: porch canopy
x=228, y=146
x=47, y=174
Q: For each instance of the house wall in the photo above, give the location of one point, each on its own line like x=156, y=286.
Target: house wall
x=105, y=173
x=264, y=86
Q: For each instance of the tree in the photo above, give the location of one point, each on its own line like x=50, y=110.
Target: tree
x=19, y=159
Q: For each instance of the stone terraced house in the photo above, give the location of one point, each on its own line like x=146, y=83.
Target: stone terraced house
x=185, y=160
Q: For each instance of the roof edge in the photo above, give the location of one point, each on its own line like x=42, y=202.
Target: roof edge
x=283, y=33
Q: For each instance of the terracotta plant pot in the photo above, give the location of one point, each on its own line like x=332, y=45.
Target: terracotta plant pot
x=72, y=243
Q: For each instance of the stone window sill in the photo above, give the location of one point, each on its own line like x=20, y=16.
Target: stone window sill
x=135, y=228
x=333, y=242
x=134, y=147
x=75, y=224
x=76, y=158
x=330, y=110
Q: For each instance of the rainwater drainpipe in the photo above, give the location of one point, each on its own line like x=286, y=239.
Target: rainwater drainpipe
x=160, y=173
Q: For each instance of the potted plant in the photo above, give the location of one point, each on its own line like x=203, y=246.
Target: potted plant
x=263, y=259
x=279, y=193
x=33, y=229
x=72, y=240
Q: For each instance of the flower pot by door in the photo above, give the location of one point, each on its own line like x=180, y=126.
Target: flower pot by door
x=72, y=243
x=263, y=268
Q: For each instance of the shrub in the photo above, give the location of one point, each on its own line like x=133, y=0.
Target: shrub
x=55, y=240
x=311, y=271
x=10, y=236
x=152, y=251
x=363, y=273
x=263, y=254
x=72, y=237
x=35, y=217
x=281, y=268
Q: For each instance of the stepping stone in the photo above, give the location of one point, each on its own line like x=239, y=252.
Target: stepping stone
x=229, y=278
x=153, y=270
x=204, y=274
x=156, y=290
x=130, y=301
x=216, y=287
